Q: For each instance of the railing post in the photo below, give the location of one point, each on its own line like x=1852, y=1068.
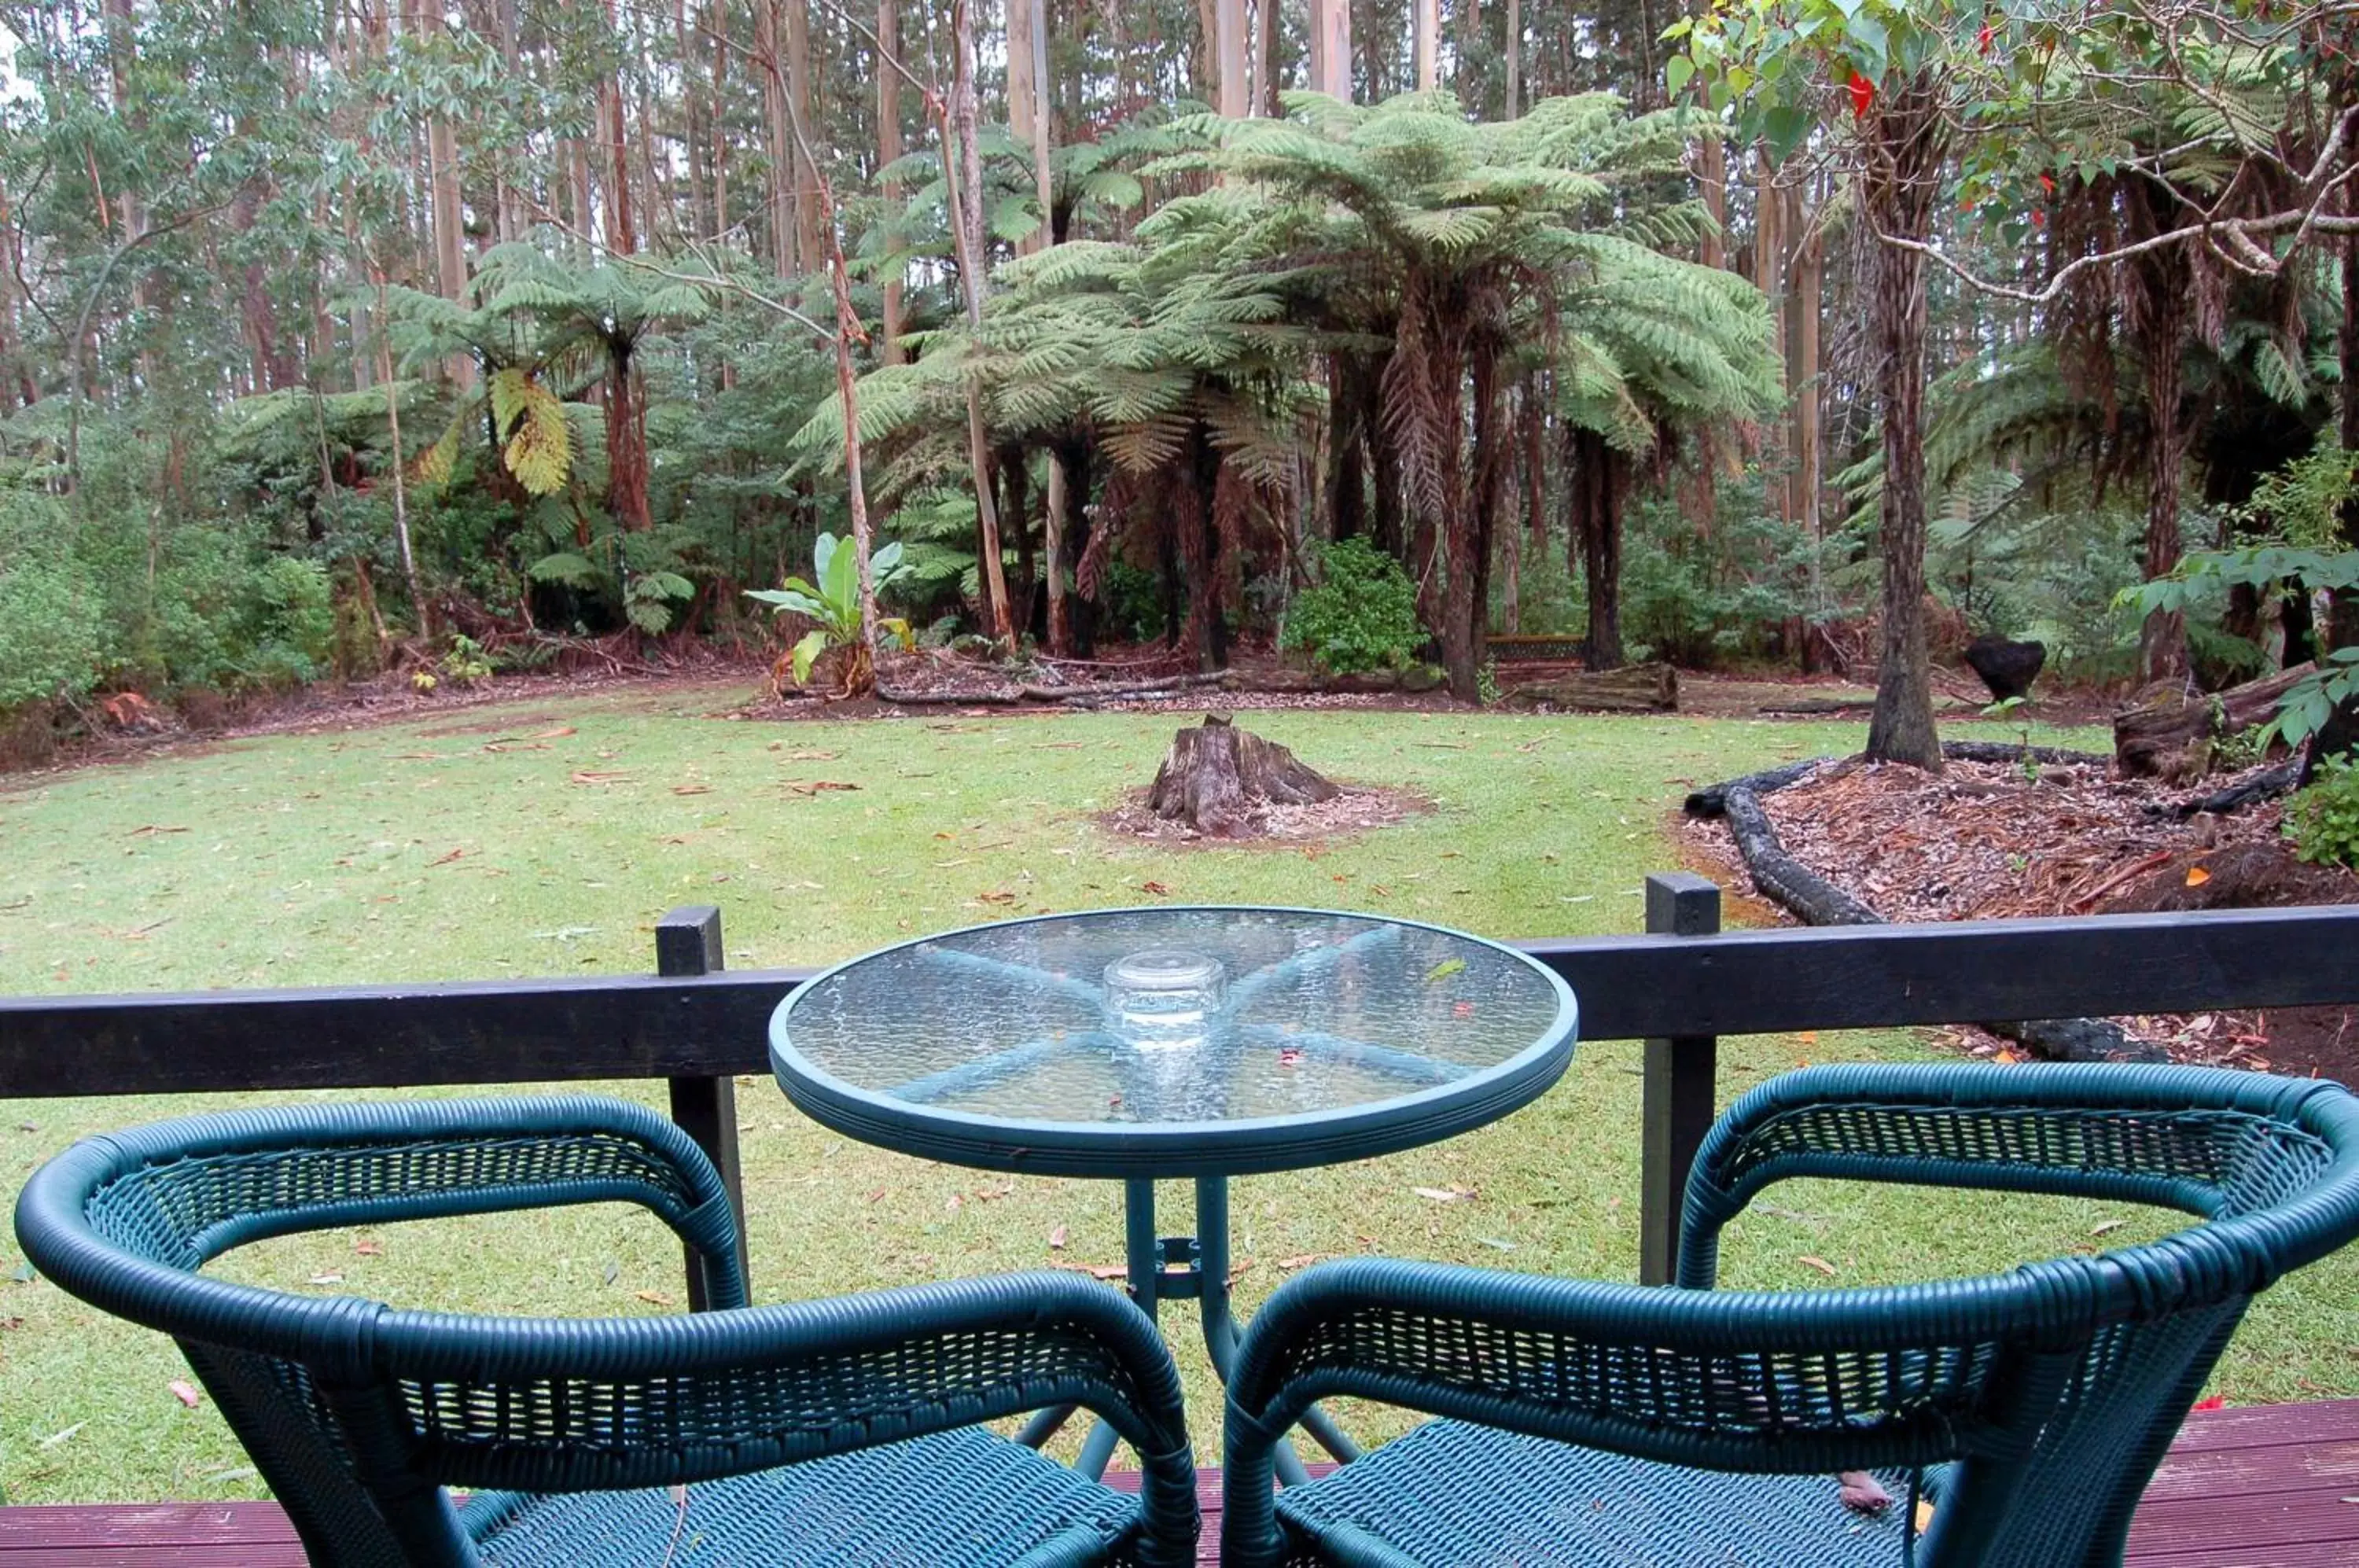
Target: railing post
x=1679, y=1084
x=688, y=942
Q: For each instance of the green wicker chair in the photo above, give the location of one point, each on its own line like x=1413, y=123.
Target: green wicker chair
x=1592, y=1425
x=838, y=1431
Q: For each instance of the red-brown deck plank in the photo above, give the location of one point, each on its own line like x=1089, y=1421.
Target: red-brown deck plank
x=2263, y=1486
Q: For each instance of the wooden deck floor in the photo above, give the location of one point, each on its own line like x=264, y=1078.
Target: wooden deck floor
x=2263, y=1486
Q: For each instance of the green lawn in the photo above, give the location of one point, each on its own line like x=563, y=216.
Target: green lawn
x=546, y=838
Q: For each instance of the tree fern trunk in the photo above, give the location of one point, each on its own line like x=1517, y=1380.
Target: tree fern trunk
x=1900, y=190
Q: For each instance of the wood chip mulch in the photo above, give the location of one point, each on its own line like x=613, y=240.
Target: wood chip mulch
x=1992, y=841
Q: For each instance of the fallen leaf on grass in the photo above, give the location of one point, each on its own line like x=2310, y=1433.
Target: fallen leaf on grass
x=692, y=789
x=330, y=1278
x=1444, y=1194
x=369, y=1248
x=653, y=1297
x=1820, y=1263
x=877, y=1194
x=587, y=777
x=186, y=1392
x=1094, y=1270
x=816, y=785
x=151, y=830
x=1002, y=897
x=811, y=754
x=446, y=859
x=417, y=757
x=1157, y=888
x=1302, y=1260
x=560, y=733
x=57, y=1437
x=2103, y=1226
x=1056, y=1239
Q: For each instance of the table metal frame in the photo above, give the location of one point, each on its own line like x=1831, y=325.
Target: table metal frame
x=1181, y=1268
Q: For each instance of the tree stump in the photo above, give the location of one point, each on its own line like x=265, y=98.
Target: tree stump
x=1633, y=688
x=1220, y=780
x=2167, y=734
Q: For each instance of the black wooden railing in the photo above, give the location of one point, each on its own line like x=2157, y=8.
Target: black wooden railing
x=1680, y=988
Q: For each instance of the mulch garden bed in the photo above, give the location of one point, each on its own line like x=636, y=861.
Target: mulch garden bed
x=1998, y=840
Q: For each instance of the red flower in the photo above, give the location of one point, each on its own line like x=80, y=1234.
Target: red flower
x=1983, y=40
x=1863, y=95
x=2213, y=1403
x=2048, y=183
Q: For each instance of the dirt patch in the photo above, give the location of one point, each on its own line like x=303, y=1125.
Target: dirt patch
x=505, y=722
x=2254, y=874
x=1358, y=809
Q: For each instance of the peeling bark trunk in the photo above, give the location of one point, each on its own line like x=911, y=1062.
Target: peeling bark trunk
x=1900, y=190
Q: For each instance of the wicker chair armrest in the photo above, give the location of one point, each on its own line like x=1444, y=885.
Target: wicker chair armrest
x=2144, y=1135
x=514, y=1404
x=1790, y=1382
x=172, y=1196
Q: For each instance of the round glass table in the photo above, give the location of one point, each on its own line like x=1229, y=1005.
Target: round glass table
x=1202, y=1042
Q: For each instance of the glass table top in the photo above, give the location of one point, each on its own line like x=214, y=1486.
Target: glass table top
x=1108, y=1027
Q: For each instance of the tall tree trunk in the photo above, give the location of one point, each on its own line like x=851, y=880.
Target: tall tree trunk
x=1266, y=85
x=1229, y=45
x=2344, y=632
x=443, y=201
x=1028, y=118
x=778, y=138
x=888, y=152
x=1900, y=187
x=1330, y=48
x=959, y=141
x=1711, y=181
x=1492, y=448
x=622, y=237
x=720, y=127
x=1514, y=52
x=1598, y=480
x=1427, y=43
x=1769, y=242
x=1802, y=362
x=1347, y=501
x=807, y=255
x=2162, y=640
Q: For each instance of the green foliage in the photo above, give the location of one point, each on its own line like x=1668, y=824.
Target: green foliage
x=829, y=598
x=466, y=662
x=54, y=630
x=1360, y=616
x=1721, y=593
x=2323, y=821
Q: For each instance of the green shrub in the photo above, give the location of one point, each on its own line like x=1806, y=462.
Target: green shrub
x=295, y=620
x=54, y=631
x=2323, y=820
x=1360, y=616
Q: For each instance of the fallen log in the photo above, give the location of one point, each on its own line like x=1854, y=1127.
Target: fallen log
x=2167, y=734
x=2266, y=786
x=1819, y=902
x=1634, y=689
x=1015, y=696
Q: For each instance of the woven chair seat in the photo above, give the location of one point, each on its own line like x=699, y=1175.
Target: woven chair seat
x=1451, y=1495
x=957, y=1500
